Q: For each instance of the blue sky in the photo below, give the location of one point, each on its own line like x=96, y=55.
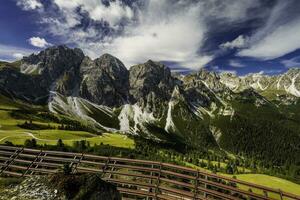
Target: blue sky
x=239, y=36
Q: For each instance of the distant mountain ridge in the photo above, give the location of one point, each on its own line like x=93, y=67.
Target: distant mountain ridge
x=283, y=84
x=201, y=109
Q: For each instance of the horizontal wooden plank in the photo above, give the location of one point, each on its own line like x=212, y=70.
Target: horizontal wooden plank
x=127, y=182
x=177, y=192
x=135, y=192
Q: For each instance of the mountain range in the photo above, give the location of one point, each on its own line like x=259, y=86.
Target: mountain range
x=254, y=114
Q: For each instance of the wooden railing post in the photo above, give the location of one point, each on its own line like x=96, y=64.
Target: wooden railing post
x=280, y=193
x=41, y=160
x=150, y=189
x=31, y=164
x=112, y=169
x=265, y=193
x=74, y=170
x=205, y=186
x=196, y=185
x=158, y=181
x=104, y=168
x=71, y=165
x=11, y=160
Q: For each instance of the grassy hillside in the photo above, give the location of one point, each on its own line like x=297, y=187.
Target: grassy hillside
x=262, y=132
x=15, y=65
x=12, y=114
x=269, y=181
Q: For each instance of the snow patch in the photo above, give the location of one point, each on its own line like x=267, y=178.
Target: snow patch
x=77, y=107
x=169, y=121
x=124, y=117
x=292, y=88
x=278, y=83
x=141, y=116
x=231, y=85
x=30, y=69
x=223, y=102
x=260, y=86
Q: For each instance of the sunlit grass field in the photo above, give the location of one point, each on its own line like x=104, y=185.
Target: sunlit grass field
x=10, y=131
x=51, y=137
x=271, y=182
x=259, y=179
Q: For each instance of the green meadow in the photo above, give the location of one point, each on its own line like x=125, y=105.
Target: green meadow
x=10, y=131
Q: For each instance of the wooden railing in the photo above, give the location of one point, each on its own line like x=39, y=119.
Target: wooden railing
x=136, y=178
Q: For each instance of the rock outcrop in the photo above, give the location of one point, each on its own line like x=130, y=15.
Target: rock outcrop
x=105, y=81
x=60, y=187
x=151, y=85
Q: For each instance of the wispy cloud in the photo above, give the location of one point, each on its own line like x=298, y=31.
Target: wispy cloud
x=239, y=42
x=270, y=71
x=221, y=71
x=29, y=4
x=172, y=30
x=11, y=53
x=279, y=36
x=235, y=63
x=293, y=62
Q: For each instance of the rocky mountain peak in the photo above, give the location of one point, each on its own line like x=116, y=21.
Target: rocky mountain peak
x=151, y=84
x=52, y=62
x=105, y=80
x=110, y=62
x=205, y=74
x=177, y=95
x=293, y=71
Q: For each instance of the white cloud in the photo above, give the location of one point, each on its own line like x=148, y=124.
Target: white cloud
x=168, y=30
x=235, y=63
x=18, y=55
x=38, y=42
x=283, y=40
x=113, y=14
x=175, y=36
x=270, y=71
x=278, y=37
x=162, y=30
x=293, y=62
x=221, y=71
x=239, y=42
x=11, y=53
x=29, y=4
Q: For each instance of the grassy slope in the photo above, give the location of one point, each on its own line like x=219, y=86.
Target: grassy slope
x=260, y=179
x=271, y=181
x=9, y=131
x=268, y=181
x=14, y=65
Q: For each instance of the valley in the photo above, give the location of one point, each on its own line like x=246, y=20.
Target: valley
x=245, y=127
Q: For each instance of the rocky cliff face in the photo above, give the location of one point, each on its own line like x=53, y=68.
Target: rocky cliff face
x=22, y=86
x=151, y=85
x=55, y=68
x=52, y=62
x=105, y=81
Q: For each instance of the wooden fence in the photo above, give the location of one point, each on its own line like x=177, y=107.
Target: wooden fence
x=136, y=178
